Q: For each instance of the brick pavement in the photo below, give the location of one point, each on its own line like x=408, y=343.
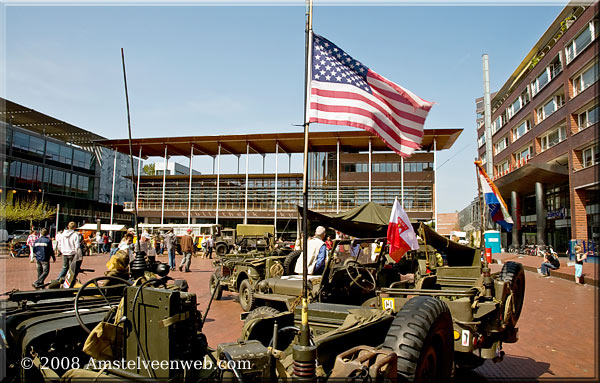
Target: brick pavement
x=558, y=325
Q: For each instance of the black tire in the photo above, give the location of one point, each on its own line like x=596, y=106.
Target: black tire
x=422, y=336
x=246, y=296
x=289, y=264
x=214, y=278
x=221, y=249
x=514, y=274
x=261, y=312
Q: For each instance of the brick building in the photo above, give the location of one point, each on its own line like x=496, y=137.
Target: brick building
x=545, y=134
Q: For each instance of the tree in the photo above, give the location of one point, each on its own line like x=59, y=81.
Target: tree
x=149, y=169
x=27, y=210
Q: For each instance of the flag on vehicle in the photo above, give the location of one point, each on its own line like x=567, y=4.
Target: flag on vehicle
x=492, y=197
x=343, y=91
x=401, y=236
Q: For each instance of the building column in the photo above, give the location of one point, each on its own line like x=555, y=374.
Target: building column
x=579, y=225
x=190, y=186
x=112, y=194
x=276, y=179
x=435, y=209
x=540, y=213
x=402, y=181
x=289, y=162
x=218, y=182
x=162, y=209
x=516, y=216
x=338, y=179
x=370, y=169
x=246, y=195
x=137, y=191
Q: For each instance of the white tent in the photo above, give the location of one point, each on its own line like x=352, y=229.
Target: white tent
x=103, y=227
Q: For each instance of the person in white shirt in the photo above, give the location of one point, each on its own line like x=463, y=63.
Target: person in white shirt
x=68, y=246
x=317, y=254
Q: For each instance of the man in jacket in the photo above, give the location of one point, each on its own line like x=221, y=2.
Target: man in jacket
x=171, y=243
x=43, y=252
x=187, y=248
x=69, y=246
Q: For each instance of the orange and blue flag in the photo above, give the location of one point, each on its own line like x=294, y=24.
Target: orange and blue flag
x=492, y=197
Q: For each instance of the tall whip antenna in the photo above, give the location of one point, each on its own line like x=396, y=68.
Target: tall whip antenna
x=133, y=181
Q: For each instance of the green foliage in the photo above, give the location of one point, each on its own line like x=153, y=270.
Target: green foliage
x=149, y=169
x=27, y=210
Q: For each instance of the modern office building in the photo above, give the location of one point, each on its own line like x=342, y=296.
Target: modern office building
x=50, y=160
x=173, y=168
x=346, y=169
x=545, y=134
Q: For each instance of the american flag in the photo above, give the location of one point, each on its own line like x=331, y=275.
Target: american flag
x=343, y=91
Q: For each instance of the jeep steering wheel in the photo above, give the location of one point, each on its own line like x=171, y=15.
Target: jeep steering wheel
x=356, y=272
x=100, y=288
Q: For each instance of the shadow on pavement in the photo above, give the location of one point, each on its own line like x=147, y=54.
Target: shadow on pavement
x=511, y=369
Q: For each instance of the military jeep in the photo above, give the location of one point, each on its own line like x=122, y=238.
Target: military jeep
x=255, y=259
x=483, y=308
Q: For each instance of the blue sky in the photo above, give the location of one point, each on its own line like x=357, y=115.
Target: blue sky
x=205, y=70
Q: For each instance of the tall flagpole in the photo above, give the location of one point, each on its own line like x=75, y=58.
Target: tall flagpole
x=485, y=270
x=304, y=354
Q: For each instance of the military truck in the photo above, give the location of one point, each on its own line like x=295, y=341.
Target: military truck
x=255, y=258
x=483, y=309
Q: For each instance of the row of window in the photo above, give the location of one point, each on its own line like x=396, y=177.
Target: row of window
x=52, y=151
x=34, y=177
x=388, y=167
x=578, y=83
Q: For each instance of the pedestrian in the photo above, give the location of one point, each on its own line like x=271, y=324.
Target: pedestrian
x=580, y=256
x=33, y=236
x=171, y=243
x=126, y=245
x=209, y=246
x=98, y=242
x=317, y=254
x=157, y=244
x=105, y=244
x=69, y=245
x=298, y=243
x=550, y=262
x=203, y=242
x=329, y=243
x=187, y=248
x=58, y=240
x=43, y=252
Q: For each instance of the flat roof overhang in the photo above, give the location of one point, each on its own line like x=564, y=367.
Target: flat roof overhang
x=27, y=118
x=350, y=141
x=523, y=180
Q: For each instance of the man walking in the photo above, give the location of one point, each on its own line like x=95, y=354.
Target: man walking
x=209, y=246
x=43, y=252
x=187, y=248
x=69, y=245
x=170, y=242
x=317, y=254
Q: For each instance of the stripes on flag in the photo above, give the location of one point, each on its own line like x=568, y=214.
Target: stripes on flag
x=345, y=92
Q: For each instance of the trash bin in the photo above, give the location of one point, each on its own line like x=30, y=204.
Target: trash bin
x=492, y=241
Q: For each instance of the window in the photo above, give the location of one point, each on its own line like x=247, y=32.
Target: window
x=523, y=154
x=52, y=151
x=554, y=137
x=519, y=103
x=21, y=141
x=499, y=123
x=79, y=158
x=481, y=140
x=579, y=43
x=520, y=130
x=590, y=156
x=36, y=145
x=584, y=80
x=501, y=145
x=550, y=72
x=588, y=118
x=550, y=107
x=66, y=155
x=502, y=168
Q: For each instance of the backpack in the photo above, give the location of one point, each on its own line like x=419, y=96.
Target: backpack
x=553, y=260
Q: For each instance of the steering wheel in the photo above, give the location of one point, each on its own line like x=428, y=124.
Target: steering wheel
x=100, y=288
x=356, y=272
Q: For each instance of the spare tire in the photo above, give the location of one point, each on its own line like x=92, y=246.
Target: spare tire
x=422, y=336
x=246, y=296
x=221, y=249
x=261, y=312
x=289, y=264
x=513, y=273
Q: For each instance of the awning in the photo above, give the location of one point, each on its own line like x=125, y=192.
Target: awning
x=103, y=227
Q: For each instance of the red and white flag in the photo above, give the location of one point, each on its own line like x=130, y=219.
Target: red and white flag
x=400, y=236
x=344, y=91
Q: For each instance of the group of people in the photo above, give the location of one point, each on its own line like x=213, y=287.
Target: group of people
x=69, y=244
x=551, y=262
